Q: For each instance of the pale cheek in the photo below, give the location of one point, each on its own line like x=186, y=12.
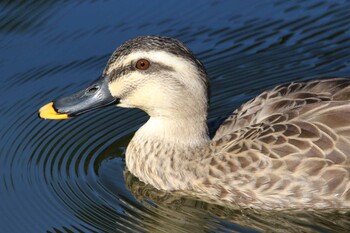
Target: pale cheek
x=122, y=85
x=115, y=88
x=148, y=96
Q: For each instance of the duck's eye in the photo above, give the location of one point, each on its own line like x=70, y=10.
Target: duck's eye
x=142, y=64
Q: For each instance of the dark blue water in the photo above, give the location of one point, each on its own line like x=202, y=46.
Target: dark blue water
x=68, y=176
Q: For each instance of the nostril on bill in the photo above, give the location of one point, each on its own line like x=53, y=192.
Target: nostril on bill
x=92, y=90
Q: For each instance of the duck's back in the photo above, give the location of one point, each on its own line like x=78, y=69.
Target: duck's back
x=293, y=136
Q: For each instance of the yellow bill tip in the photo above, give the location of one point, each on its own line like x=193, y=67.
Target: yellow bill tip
x=48, y=112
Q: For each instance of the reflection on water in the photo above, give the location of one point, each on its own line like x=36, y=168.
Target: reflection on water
x=187, y=214
x=69, y=176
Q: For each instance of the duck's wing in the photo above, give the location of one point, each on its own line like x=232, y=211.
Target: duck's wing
x=289, y=146
x=309, y=118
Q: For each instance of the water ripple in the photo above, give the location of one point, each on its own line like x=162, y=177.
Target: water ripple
x=70, y=176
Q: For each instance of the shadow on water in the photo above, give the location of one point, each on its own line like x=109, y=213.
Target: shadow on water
x=70, y=176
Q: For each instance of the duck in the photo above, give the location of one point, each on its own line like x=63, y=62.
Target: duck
x=288, y=148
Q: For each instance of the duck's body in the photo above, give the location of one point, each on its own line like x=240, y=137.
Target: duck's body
x=287, y=148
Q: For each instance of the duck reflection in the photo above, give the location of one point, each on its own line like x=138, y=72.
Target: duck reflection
x=176, y=212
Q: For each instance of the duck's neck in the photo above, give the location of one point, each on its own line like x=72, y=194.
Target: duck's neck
x=184, y=133
x=162, y=151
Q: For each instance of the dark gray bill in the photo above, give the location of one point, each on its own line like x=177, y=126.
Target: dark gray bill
x=95, y=96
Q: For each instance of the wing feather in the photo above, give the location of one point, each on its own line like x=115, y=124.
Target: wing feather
x=299, y=133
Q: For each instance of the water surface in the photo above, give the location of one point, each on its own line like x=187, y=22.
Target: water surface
x=69, y=176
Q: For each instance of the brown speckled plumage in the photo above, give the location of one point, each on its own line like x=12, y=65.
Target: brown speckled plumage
x=290, y=146
x=287, y=148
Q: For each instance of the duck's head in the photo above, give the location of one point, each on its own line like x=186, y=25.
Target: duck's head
x=156, y=74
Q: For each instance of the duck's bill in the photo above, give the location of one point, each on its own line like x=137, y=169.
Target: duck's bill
x=95, y=96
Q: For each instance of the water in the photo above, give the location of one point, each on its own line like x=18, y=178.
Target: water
x=68, y=176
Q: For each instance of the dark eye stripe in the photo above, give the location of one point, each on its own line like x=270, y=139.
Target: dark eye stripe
x=124, y=70
x=118, y=72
